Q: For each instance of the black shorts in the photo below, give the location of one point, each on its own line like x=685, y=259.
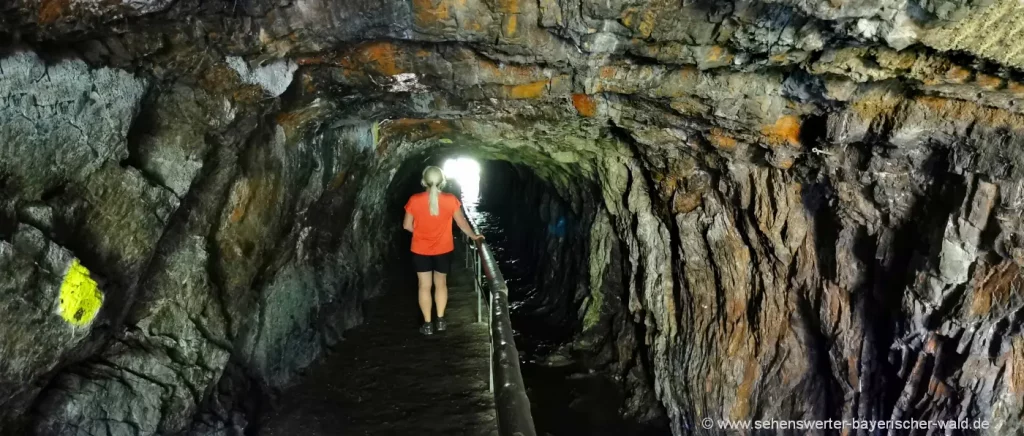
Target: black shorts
x=441, y=263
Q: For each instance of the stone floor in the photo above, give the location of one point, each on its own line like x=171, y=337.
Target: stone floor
x=387, y=379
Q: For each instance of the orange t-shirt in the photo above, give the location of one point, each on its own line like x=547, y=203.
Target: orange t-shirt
x=432, y=235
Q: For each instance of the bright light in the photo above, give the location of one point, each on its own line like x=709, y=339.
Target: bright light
x=466, y=172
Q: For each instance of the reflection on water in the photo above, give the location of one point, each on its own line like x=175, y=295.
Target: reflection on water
x=515, y=271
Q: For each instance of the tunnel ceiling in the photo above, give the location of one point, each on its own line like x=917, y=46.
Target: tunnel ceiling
x=685, y=73
x=811, y=208
x=754, y=80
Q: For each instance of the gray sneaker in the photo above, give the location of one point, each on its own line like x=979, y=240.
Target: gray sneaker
x=441, y=324
x=427, y=329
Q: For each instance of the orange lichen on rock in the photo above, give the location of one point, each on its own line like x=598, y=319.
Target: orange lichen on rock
x=853, y=370
x=243, y=197
x=412, y=129
x=784, y=162
x=584, y=104
x=963, y=110
x=686, y=201
x=719, y=139
x=51, y=10
x=295, y=122
x=627, y=16
x=745, y=391
x=312, y=60
x=472, y=25
x=995, y=286
x=932, y=344
x=289, y=121
x=511, y=22
x=645, y=25
x=527, y=91
x=508, y=6
x=667, y=183
x=432, y=126
x=488, y=70
x=785, y=131
x=427, y=14
x=1015, y=88
x=507, y=73
x=957, y=74
x=382, y=55
x=439, y=126
x=988, y=82
x=715, y=53
x=876, y=104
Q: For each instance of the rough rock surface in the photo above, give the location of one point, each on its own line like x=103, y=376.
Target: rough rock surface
x=793, y=209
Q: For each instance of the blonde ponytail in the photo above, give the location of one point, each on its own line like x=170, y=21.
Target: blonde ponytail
x=433, y=179
x=434, y=193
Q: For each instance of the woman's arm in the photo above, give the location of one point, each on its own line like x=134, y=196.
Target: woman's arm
x=460, y=220
x=407, y=223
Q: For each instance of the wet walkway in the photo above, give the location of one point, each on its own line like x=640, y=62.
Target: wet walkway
x=387, y=379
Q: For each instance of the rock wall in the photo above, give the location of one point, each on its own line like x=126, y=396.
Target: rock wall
x=162, y=239
x=802, y=209
x=585, y=370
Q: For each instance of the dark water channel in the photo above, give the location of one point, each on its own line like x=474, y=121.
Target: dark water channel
x=566, y=398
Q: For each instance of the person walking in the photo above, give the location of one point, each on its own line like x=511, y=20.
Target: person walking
x=429, y=215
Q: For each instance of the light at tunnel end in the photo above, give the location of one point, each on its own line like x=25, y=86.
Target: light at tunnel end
x=465, y=172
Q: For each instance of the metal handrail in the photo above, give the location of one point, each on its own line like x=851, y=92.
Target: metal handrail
x=510, y=400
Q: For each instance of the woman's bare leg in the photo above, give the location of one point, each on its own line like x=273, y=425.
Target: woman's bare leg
x=425, y=303
x=440, y=292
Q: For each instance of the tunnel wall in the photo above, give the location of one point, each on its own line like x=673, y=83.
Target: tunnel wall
x=586, y=369
x=838, y=238
x=183, y=250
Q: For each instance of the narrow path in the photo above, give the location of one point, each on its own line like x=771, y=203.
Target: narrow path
x=387, y=379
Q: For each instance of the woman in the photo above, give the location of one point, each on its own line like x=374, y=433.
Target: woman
x=428, y=215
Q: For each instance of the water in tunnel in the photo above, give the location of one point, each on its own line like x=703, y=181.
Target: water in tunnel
x=541, y=242
x=706, y=214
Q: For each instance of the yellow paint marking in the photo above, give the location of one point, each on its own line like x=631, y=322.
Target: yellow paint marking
x=80, y=300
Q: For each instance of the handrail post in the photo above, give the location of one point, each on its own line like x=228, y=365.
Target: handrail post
x=490, y=330
x=478, y=288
